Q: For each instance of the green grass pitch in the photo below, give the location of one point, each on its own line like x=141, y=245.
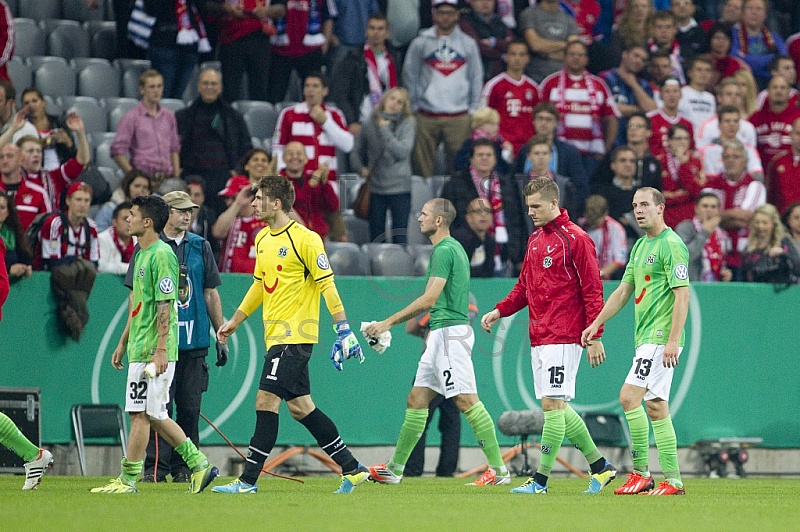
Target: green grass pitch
x=418, y=504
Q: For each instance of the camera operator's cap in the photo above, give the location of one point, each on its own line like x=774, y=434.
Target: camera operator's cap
x=180, y=200
x=437, y=3
x=234, y=185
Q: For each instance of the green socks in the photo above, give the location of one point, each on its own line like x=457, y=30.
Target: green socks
x=410, y=432
x=194, y=459
x=640, y=438
x=576, y=432
x=667, y=448
x=552, y=436
x=11, y=437
x=130, y=470
x=483, y=427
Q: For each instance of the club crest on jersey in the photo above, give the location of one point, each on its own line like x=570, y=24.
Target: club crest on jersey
x=651, y=259
x=141, y=272
x=681, y=272
x=322, y=262
x=547, y=262
x=445, y=60
x=166, y=285
x=283, y=251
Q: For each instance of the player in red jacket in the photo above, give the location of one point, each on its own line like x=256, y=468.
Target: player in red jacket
x=560, y=284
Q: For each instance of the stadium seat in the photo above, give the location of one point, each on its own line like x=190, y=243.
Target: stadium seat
x=388, y=260
x=256, y=142
x=119, y=110
x=245, y=105
x=437, y=184
x=357, y=229
x=77, y=10
x=261, y=121
x=48, y=25
x=38, y=60
x=29, y=39
x=51, y=106
x=173, y=103
x=190, y=92
x=103, y=156
x=130, y=83
x=216, y=65
x=66, y=101
x=280, y=106
x=21, y=75
x=98, y=80
x=55, y=79
x=95, y=139
x=609, y=429
x=112, y=177
x=40, y=9
x=102, y=38
x=110, y=102
x=95, y=118
x=68, y=42
x=137, y=64
x=422, y=256
x=348, y=188
x=78, y=63
x=420, y=193
x=345, y=258
x=98, y=421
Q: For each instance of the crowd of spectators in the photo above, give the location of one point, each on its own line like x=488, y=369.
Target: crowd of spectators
x=491, y=93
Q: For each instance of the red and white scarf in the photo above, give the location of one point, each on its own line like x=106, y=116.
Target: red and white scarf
x=489, y=189
x=713, y=252
x=766, y=35
x=187, y=34
x=125, y=250
x=673, y=167
x=376, y=87
x=591, y=88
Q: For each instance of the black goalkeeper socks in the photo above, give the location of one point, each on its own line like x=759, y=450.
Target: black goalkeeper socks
x=261, y=444
x=324, y=431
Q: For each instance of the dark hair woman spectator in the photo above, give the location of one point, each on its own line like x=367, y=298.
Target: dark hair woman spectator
x=58, y=144
x=719, y=49
x=135, y=183
x=18, y=253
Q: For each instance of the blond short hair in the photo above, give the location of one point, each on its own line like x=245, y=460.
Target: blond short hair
x=483, y=116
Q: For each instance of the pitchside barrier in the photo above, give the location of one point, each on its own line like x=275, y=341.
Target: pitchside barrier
x=737, y=376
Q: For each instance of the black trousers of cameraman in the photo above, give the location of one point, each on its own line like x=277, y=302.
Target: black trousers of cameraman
x=186, y=392
x=450, y=427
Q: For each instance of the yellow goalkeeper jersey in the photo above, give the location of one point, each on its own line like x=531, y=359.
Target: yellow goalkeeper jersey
x=291, y=270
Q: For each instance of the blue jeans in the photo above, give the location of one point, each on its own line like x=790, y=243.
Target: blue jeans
x=400, y=205
x=176, y=64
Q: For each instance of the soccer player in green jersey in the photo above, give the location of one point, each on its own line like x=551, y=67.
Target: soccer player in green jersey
x=151, y=336
x=446, y=365
x=657, y=275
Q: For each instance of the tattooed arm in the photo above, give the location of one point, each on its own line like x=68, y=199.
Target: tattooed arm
x=163, y=321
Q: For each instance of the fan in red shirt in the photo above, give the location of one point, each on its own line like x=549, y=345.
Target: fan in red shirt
x=314, y=195
x=773, y=121
x=238, y=226
x=783, y=174
x=513, y=95
x=666, y=117
x=29, y=198
x=682, y=176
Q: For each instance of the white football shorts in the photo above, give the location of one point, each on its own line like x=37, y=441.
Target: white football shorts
x=148, y=395
x=648, y=371
x=555, y=369
x=446, y=365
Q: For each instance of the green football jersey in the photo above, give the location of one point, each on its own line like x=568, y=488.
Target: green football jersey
x=449, y=261
x=155, y=278
x=656, y=266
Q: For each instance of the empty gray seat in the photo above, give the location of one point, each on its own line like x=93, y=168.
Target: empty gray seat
x=280, y=106
x=261, y=121
x=388, y=260
x=124, y=64
x=256, y=142
x=95, y=139
x=67, y=101
x=357, y=229
x=38, y=60
x=345, y=258
x=29, y=38
x=348, y=188
x=68, y=42
x=422, y=256
x=245, y=105
x=437, y=183
x=95, y=118
x=55, y=79
x=130, y=83
x=110, y=102
x=51, y=106
x=103, y=43
x=102, y=155
x=79, y=63
x=98, y=80
x=111, y=176
x=21, y=75
x=173, y=103
x=216, y=65
x=40, y=9
x=420, y=193
x=50, y=24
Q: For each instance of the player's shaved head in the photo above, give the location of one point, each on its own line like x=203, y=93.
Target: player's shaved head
x=444, y=208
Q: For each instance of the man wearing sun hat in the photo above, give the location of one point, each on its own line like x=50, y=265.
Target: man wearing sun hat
x=238, y=226
x=198, y=307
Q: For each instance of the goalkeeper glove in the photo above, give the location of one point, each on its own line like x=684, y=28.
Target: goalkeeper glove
x=346, y=346
x=222, y=354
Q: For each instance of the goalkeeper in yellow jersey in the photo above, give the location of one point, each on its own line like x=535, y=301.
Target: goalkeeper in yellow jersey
x=292, y=270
